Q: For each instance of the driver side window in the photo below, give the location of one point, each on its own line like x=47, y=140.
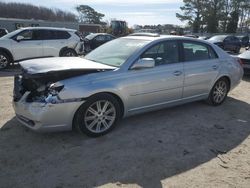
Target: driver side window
x=27, y=34
x=163, y=53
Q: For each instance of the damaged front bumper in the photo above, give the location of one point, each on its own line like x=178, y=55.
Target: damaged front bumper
x=44, y=117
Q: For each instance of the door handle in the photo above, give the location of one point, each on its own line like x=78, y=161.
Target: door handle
x=215, y=67
x=177, y=73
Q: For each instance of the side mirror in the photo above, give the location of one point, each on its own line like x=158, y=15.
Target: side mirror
x=19, y=38
x=144, y=63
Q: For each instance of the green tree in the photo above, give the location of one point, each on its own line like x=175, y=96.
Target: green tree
x=193, y=13
x=234, y=16
x=88, y=15
x=212, y=13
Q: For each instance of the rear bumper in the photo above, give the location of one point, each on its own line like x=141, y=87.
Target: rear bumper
x=45, y=117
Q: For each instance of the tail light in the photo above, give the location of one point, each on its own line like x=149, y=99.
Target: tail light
x=240, y=62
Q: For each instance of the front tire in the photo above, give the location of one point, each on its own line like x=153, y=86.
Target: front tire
x=98, y=115
x=219, y=92
x=4, y=60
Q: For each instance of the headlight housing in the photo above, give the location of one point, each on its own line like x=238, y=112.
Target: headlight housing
x=52, y=95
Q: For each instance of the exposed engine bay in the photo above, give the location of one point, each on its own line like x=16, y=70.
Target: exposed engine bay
x=41, y=86
x=39, y=77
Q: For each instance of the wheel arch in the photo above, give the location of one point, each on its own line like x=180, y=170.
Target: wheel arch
x=65, y=48
x=8, y=53
x=225, y=77
x=119, y=100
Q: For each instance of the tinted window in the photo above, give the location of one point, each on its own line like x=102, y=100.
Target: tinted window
x=61, y=35
x=228, y=39
x=108, y=37
x=195, y=51
x=163, y=53
x=100, y=38
x=37, y=35
x=235, y=39
x=53, y=34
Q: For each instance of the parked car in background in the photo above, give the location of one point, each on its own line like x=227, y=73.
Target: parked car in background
x=94, y=40
x=34, y=42
x=226, y=42
x=204, y=37
x=245, y=59
x=123, y=77
x=191, y=36
x=3, y=32
x=244, y=40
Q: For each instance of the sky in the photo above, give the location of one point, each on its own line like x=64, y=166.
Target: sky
x=141, y=12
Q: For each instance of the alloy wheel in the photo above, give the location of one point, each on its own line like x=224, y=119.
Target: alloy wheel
x=100, y=116
x=220, y=91
x=3, y=62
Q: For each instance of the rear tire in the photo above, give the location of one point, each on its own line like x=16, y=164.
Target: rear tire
x=98, y=115
x=218, y=93
x=4, y=60
x=68, y=53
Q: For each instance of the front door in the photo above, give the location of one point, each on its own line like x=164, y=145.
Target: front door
x=161, y=84
x=31, y=46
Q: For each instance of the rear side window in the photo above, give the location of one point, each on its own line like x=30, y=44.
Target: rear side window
x=54, y=35
x=196, y=51
x=108, y=37
x=61, y=35
x=100, y=38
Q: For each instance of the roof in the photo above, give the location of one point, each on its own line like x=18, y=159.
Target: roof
x=162, y=37
x=154, y=37
x=50, y=28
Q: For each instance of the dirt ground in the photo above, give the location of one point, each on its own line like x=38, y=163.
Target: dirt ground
x=193, y=145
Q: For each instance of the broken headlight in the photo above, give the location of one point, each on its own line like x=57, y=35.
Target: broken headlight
x=53, y=90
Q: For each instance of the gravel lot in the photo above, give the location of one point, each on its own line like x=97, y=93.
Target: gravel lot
x=194, y=145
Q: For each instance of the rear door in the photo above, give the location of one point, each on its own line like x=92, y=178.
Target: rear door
x=54, y=41
x=31, y=46
x=201, y=67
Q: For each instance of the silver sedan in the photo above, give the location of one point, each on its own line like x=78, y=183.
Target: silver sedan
x=127, y=76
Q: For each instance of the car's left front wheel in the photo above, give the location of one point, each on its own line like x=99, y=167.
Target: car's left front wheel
x=98, y=115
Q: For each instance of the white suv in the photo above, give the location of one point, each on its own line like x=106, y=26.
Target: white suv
x=36, y=42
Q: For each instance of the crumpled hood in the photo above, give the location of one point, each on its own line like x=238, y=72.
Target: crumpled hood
x=54, y=64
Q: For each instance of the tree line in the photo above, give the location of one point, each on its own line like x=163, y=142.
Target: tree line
x=214, y=16
x=28, y=11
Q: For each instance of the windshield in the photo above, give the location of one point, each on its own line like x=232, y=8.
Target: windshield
x=116, y=52
x=11, y=34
